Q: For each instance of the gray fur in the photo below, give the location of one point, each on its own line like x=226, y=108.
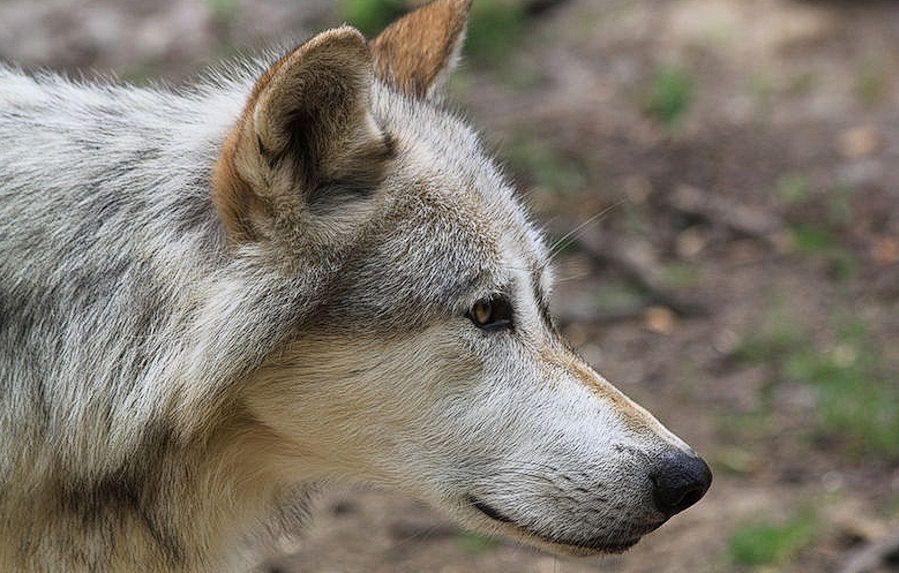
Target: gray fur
x=144, y=355
x=113, y=255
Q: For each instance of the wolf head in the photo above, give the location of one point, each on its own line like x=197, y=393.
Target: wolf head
x=430, y=363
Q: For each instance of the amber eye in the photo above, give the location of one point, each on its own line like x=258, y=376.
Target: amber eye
x=494, y=313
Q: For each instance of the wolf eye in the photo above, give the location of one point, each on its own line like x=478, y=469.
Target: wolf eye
x=494, y=313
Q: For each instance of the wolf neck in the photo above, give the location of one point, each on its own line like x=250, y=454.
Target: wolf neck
x=122, y=298
x=206, y=507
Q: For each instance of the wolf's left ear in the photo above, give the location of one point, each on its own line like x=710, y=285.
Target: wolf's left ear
x=306, y=153
x=417, y=53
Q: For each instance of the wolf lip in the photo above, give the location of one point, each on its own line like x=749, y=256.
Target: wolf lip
x=595, y=544
x=488, y=510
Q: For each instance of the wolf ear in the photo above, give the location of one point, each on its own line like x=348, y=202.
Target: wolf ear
x=306, y=149
x=417, y=53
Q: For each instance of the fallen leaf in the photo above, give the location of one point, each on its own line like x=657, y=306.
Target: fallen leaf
x=659, y=319
x=859, y=142
x=885, y=250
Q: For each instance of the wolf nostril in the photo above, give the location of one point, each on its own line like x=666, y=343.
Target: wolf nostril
x=679, y=481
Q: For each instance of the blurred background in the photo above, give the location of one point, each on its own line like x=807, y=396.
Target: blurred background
x=742, y=281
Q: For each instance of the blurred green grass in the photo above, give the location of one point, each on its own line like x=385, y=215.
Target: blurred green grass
x=856, y=406
x=371, y=16
x=872, y=82
x=223, y=9
x=670, y=95
x=821, y=243
x=761, y=543
x=493, y=29
x=474, y=543
x=812, y=239
x=550, y=170
x=682, y=275
x=793, y=188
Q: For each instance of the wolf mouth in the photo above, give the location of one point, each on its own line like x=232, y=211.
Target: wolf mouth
x=596, y=544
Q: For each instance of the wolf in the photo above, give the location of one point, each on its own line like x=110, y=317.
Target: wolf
x=305, y=269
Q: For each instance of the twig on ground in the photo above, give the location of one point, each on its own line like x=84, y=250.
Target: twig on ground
x=637, y=263
x=567, y=314
x=721, y=210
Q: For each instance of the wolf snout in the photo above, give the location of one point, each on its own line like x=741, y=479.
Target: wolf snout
x=679, y=480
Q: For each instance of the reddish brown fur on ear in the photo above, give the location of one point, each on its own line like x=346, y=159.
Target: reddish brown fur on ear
x=232, y=196
x=306, y=123
x=415, y=53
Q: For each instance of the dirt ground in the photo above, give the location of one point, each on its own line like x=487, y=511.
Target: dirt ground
x=742, y=283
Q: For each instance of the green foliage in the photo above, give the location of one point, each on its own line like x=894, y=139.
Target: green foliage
x=748, y=427
x=222, y=9
x=871, y=83
x=670, y=95
x=682, y=275
x=613, y=297
x=780, y=338
x=839, y=206
x=474, y=543
x=892, y=508
x=766, y=543
x=816, y=241
x=843, y=264
x=809, y=239
x=549, y=169
x=370, y=16
x=762, y=88
x=803, y=84
x=793, y=188
x=856, y=406
x=494, y=28
x=733, y=460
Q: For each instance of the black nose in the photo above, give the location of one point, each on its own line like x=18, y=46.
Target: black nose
x=679, y=481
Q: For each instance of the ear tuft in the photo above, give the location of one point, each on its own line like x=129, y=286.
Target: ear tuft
x=333, y=69
x=305, y=143
x=417, y=53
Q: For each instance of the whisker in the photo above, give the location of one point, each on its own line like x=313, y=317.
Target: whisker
x=569, y=237
x=573, y=277
x=521, y=463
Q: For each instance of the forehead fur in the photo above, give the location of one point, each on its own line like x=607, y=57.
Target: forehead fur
x=442, y=160
x=444, y=229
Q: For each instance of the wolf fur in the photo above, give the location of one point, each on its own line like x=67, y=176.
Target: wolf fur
x=212, y=299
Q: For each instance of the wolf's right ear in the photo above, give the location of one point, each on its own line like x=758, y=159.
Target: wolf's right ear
x=306, y=152
x=417, y=53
